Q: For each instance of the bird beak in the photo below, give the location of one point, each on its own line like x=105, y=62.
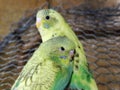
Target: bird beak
x=38, y=22
x=71, y=53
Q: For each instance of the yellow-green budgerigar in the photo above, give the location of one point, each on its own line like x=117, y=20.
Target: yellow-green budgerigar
x=51, y=24
x=50, y=67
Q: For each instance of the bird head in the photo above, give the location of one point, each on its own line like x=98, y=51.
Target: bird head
x=49, y=23
x=60, y=50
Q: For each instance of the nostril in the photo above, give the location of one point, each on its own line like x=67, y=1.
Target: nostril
x=38, y=19
x=72, y=52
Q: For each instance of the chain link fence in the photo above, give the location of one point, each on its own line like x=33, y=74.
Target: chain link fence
x=98, y=30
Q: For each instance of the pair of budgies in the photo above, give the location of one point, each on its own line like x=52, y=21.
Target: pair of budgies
x=59, y=62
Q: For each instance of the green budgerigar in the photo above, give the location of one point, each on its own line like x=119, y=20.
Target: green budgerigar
x=50, y=67
x=51, y=24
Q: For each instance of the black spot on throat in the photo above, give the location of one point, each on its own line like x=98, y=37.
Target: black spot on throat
x=77, y=55
x=76, y=66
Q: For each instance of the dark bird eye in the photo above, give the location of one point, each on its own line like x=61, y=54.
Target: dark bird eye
x=62, y=48
x=47, y=17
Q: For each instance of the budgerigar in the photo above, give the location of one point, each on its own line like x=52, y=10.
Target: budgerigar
x=51, y=24
x=50, y=67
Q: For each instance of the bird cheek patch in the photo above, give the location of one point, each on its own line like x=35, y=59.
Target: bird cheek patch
x=63, y=57
x=46, y=25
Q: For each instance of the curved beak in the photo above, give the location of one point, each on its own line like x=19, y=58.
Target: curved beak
x=72, y=53
x=38, y=22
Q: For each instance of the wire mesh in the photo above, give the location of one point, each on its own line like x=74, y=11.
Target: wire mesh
x=97, y=29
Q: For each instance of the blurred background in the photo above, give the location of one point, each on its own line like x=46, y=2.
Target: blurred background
x=12, y=10
x=95, y=22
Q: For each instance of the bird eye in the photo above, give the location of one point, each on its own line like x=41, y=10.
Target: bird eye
x=62, y=48
x=47, y=17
